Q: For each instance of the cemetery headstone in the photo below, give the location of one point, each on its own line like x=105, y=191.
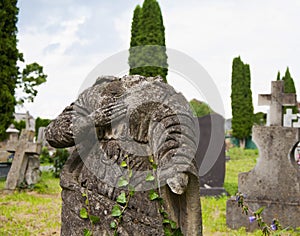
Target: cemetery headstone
x=119, y=127
x=24, y=163
x=211, y=180
x=274, y=181
x=6, y=157
x=41, y=136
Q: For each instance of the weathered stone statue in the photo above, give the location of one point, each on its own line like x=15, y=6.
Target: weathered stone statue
x=128, y=128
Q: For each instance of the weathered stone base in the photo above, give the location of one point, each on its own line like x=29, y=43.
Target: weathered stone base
x=287, y=213
x=133, y=223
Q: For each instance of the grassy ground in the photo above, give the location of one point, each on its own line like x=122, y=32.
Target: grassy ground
x=31, y=213
x=38, y=212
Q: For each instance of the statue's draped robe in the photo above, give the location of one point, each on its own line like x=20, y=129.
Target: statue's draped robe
x=157, y=123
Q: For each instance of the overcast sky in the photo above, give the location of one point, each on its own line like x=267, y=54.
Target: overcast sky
x=70, y=37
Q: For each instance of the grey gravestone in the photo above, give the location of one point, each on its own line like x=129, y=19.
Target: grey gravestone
x=211, y=181
x=41, y=136
x=24, y=155
x=130, y=117
x=274, y=181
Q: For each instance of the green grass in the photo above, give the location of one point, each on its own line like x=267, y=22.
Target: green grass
x=34, y=212
x=214, y=209
x=37, y=212
x=240, y=161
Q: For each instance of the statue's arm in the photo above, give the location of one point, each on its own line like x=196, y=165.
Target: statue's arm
x=59, y=132
x=173, y=139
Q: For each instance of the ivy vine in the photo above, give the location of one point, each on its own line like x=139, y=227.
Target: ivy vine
x=85, y=213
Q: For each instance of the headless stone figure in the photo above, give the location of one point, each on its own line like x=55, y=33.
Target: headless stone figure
x=130, y=119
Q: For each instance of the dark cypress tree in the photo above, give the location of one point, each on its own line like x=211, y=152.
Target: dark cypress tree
x=289, y=87
x=278, y=76
x=148, y=30
x=9, y=56
x=133, y=56
x=10, y=77
x=241, y=101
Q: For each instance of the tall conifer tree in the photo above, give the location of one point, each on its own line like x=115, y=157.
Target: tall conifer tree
x=148, y=29
x=9, y=56
x=10, y=77
x=241, y=101
x=289, y=87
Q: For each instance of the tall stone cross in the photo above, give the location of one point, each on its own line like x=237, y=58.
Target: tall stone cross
x=277, y=100
x=22, y=148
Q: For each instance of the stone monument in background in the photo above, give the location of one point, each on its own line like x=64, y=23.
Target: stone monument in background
x=211, y=180
x=274, y=183
x=26, y=163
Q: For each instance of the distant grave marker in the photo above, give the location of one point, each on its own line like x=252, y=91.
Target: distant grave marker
x=276, y=100
x=21, y=149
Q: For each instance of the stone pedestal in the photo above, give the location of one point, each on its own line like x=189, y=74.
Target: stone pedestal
x=274, y=183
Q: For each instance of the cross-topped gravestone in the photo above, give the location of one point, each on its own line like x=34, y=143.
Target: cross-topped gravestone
x=21, y=150
x=277, y=100
x=274, y=182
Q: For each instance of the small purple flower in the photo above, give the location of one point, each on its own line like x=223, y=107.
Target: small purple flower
x=237, y=198
x=273, y=227
x=252, y=219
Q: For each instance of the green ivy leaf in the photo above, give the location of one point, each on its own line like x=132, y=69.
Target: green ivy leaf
x=154, y=166
x=173, y=224
x=123, y=164
x=163, y=213
x=94, y=219
x=122, y=182
x=131, y=190
x=113, y=225
x=150, y=177
x=87, y=202
x=83, y=213
x=151, y=159
x=259, y=211
x=116, y=211
x=153, y=195
x=86, y=232
x=166, y=221
x=167, y=232
x=178, y=232
x=130, y=174
x=121, y=198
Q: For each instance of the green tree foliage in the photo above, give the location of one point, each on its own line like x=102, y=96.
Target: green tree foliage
x=260, y=118
x=289, y=87
x=32, y=76
x=278, y=76
x=19, y=125
x=241, y=101
x=10, y=75
x=40, y=122
x=148, y=29
x=9, y=55
x=60, y=157
x=200, y=108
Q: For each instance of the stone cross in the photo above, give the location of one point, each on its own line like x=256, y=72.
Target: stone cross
x=276, y=100
x=288, y=117
x=296, y=124
x=21, y=149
